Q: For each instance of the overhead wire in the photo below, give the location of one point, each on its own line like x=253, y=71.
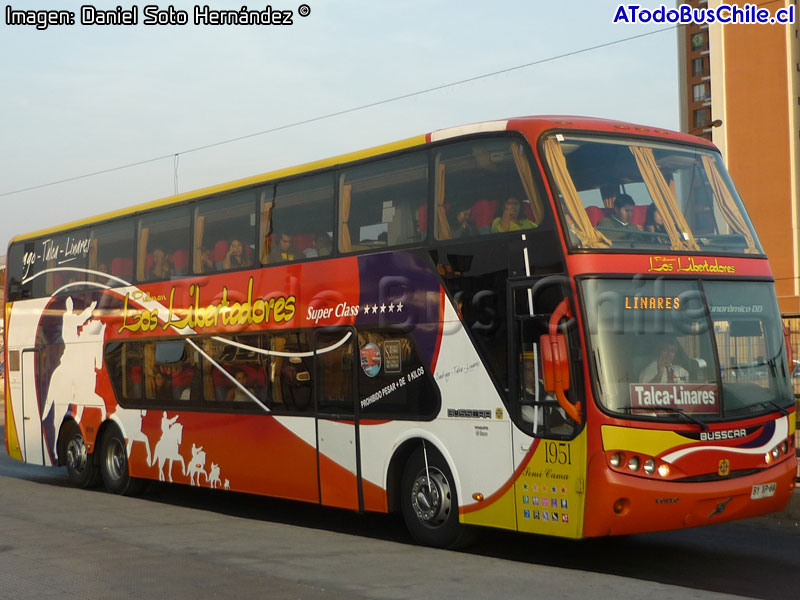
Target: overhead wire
x=338, y=113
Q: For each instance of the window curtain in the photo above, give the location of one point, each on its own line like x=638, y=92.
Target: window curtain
x=524, y=170
x=266, y=222
x=344, y=217
x=727, y=204
x=442, y=225
x=577, y=219
x=199, y=229
x=144, y=236
x=674, y=222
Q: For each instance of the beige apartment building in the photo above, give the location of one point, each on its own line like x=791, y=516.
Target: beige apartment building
x=740, y=88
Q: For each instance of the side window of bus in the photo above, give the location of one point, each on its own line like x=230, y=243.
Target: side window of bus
x=161, y=373
x=384, y=203
x=163, y=245
x=125, y=364
x=392, y=380
x=172, y=372
x=297, y=220
x=485, y=186
x=290, y=373
x=238, y=380
x=225, y=233
x=111, y=252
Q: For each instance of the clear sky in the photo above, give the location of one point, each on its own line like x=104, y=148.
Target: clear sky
x=81, y=99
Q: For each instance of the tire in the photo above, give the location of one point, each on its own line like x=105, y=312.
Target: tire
x=81, y=468
x=430, y=509
x=114, y=465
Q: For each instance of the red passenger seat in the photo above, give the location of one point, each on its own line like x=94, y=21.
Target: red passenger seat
x=180, y=261
x=220, y=250
x=596, y=214
x=122, y=267
x=483, y=212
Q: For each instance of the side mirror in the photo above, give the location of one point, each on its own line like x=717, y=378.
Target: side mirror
x=555, y=362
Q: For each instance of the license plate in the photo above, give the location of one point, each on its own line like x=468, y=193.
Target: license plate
x=763, y=490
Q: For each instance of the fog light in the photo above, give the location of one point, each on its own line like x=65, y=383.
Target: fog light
x=633, y=463
x=616, y=459
x=649, y=466
x=622, y=506
x=663, y=470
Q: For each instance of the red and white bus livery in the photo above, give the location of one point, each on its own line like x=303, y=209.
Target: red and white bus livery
x=555, y=325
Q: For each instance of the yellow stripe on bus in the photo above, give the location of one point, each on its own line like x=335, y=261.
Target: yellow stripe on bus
x=411, y=142
x=12, y=439
x=652, y=442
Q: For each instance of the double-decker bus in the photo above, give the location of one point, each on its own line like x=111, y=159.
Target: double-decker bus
x=556, y=325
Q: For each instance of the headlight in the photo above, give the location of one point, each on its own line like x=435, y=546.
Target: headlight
x=649, y=466
x=616, y=459
x=776, y=453
x=633, y=463
x=663, y=470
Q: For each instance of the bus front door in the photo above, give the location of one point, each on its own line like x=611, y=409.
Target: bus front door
x=549, y=447
x=22, y=387
x=337, y=419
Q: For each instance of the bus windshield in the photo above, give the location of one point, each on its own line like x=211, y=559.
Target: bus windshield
x=625, y=194
x=686, y=350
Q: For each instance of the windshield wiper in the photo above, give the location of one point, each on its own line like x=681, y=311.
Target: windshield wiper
x=777, y=406
x=678, y=411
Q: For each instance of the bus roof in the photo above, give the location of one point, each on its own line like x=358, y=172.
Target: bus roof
x=532, y=126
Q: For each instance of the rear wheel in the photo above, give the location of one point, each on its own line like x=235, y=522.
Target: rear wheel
x=114, y=465
x=81, y=468
x=429, y=501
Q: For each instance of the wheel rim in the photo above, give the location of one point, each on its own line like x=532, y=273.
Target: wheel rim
x=76, y=454
x=430, y=499
x=115, y=460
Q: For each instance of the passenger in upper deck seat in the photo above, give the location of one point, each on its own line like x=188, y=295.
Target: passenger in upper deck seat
x=654, y=223
x=207, y=261
x=509, y=219
x=234, y=257
x=463, y=226
x=620, y=221
x=284, y=250
x=161, y=269
x=323, y=245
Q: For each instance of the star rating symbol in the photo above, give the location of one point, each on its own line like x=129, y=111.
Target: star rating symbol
x=383, y=308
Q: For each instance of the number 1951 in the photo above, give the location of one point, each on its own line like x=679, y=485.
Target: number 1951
x=557, y=453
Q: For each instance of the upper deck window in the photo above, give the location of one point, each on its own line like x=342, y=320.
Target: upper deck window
x=297, y=220
x=636, y=195
x=484, y=186
x=164, y=244
x=383, y=203
x=225, y=233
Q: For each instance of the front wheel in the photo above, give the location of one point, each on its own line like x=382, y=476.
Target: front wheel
x=114, y=465
x=81, y=468
x=429, y=501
